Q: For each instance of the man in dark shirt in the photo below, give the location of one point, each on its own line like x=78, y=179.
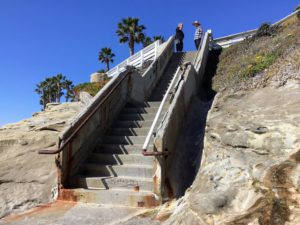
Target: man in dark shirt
x=179, y=37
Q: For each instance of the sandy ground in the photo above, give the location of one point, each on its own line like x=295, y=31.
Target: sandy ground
x=71, y=213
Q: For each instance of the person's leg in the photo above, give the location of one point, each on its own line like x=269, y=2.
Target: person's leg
x=177, y=47
x=199, y=42
x=180, y=46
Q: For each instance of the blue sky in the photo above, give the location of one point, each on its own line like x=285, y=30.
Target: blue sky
x=41, y=38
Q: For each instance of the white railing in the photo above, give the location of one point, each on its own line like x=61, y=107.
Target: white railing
x=235, y=38
x=137, y=60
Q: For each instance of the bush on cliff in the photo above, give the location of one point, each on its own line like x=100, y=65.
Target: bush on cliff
x=266, y=30
x=91, y=88
x=241, y=62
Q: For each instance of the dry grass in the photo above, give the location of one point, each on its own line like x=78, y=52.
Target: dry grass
x=268, y=57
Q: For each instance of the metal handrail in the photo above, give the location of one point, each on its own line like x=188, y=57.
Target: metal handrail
x=82, y=123
x=147, y=140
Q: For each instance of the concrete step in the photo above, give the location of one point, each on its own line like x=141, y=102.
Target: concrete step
x=140, y=110
x=133, y=124
x=144, y=104
x=120, y=149
x=129, y=131
x=129, y=183
x=137, y=117
x=139, y=170
x=124, y=140
x=120, y=159
x=111, y=197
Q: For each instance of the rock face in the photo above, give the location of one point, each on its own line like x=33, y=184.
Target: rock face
x=27, y=178
x=250, y=167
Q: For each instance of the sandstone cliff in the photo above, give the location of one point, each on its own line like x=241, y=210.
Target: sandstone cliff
x=27, y=178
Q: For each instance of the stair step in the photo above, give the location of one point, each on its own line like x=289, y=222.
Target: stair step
x=130, y=183
x=140, y=110
x=134, y=124
x=144, y=104
x=129, y=131
x=139, y=170
x=137, y=117
x=120, y=149
x=125, y=139
x=111, y=197
x=120, y=159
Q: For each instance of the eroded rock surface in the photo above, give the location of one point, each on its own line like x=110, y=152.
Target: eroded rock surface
x=250, y=167
x=27, y=178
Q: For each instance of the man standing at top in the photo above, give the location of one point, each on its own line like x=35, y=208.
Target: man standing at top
x=179, y=37
x=198, y=33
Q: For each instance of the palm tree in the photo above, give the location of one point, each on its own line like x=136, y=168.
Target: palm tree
x=59, y=82
x=159, y=37
x=41, y=90
x=50, y=89
x=53, y=88
x=106, y=56
x=130, y=31
x=148, y=40
x=69, y=87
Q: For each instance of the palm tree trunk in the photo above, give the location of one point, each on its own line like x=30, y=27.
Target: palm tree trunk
x=58, y=93
x=50, y=95
x=44, y=99
x=107, y=65
x=131, y=45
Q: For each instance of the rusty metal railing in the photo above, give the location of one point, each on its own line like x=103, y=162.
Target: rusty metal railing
x=86, y=119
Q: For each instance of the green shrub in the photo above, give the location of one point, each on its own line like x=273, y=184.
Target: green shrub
x=261, y=62
x=266, y=30
x=101, y=71
x=297, y=8
x=91, y=88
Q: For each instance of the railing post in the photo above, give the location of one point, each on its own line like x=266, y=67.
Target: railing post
x=142, y=58
x=155, y=49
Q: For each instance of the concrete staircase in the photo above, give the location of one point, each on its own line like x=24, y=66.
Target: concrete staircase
x=117, y=173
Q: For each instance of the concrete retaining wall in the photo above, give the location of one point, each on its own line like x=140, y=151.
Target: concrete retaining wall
x=87, y=137
x=144, y=85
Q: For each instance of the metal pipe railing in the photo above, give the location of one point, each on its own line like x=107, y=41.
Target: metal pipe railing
x=86, y=119
x=150, y=133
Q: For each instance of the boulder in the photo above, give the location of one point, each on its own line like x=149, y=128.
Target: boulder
x=97, y=77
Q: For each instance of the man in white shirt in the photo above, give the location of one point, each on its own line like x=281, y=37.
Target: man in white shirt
x=198, y=34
